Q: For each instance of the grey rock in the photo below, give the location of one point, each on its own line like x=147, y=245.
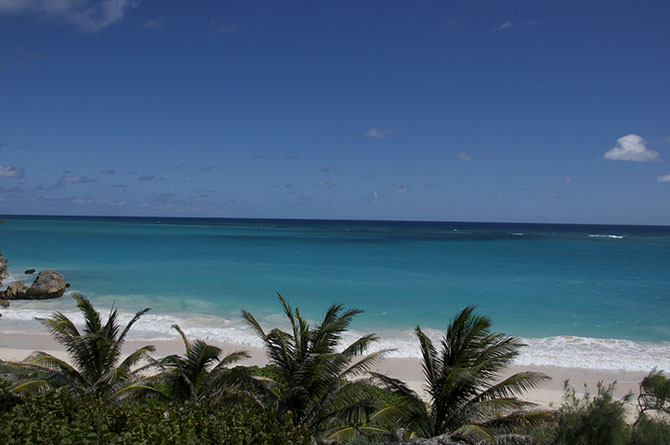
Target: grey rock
x=29, y=271
x=48, y=284
x=3, y=267
x=4, y=303
x=16, y=290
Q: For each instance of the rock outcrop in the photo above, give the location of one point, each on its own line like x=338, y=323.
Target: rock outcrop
x=29, y=271
x=48, y=284
x=3, y=267
x=16, y=290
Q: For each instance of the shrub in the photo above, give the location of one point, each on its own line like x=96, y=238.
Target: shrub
x=592, y=420
x=651, y=431
x=64, y=418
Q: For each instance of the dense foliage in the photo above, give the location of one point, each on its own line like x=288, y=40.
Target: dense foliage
x=94, y=353
x=467, y=397
x=321, y=389
x=65, y=418
x=197, y=375
x=592, y=420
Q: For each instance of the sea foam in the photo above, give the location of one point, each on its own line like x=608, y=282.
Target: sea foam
x=563, y=351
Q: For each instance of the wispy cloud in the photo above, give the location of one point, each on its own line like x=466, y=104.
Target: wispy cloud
x=209, y=168
x=505, y=25
x=664, y=178
x=463, y=156
x=146, y=178
x=525, y=26
x=374, y=196
x=377, y=133
x=11, y=172
x=328, y=170
x=153, y=24
x=222, y=29
x=87, y=15
x=456, y=23
x=201, y=194
x=631, y=148
x=75, y=180
x=398, y=189
x=108, y=172
x=325, y=184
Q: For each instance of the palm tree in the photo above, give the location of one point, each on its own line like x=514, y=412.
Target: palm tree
x=94, y=353
x=462, y=381
x=192, y=376
x=318, y=391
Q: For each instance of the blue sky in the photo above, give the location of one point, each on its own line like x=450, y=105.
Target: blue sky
x=533, y=111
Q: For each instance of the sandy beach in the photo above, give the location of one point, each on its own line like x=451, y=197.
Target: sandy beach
x=15, y=347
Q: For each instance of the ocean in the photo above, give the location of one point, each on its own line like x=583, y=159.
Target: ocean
x=591, y=296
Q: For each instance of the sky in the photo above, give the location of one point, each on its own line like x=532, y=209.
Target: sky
x=519, y=111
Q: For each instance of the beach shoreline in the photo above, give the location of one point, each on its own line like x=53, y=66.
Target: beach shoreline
x=549, y=394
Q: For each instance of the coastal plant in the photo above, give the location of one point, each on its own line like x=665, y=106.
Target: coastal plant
x=592, y=420
x=651, y=430
x=94, y=353
x=467, y=399
x=319, y=375
x=199, y=374
x=654, y=393
x=67, y=418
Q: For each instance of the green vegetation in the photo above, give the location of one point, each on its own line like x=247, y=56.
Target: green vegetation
x=315, y=390
x=192, y=376
x=466, y=399
x=65, y=418
x=320, y=390
x=595, y=420
x=95, y=354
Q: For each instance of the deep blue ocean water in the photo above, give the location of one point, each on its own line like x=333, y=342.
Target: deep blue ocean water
x=555, y=285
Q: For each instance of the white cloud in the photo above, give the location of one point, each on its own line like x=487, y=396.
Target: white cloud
x=75, y=180
x=506, y=25
x=631, y=148
x=87, y=15
x=11, y=172
x=153, y=24
x=664, y=178
x=401, y=189
x=464, y=156
x=568, y=179
x=325, y=184
x=524, y=26
x=379, y=134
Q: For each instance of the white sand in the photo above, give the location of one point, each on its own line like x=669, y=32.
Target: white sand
x=15, y=347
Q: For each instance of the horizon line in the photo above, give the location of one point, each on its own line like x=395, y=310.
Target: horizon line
x=326, y=219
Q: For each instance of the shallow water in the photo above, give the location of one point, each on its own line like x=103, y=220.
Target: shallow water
x=582, y=295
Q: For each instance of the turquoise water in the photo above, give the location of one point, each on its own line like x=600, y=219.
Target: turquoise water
x=540, y=282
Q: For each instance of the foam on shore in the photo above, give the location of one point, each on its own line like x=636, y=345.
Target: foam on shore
x=562, y=351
